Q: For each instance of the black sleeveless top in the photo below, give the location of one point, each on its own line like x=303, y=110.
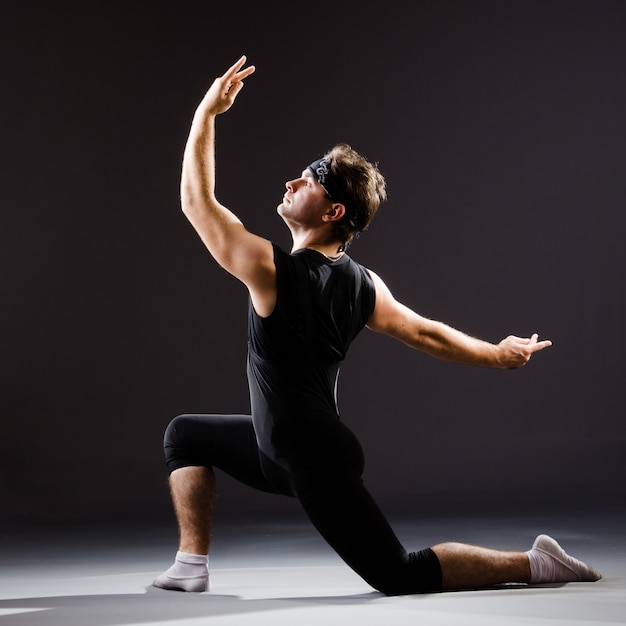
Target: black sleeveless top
x=294, y=354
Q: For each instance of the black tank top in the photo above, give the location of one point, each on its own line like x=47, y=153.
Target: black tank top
x=294, y=354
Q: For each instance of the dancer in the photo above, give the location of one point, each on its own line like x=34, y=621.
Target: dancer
x=305, y=308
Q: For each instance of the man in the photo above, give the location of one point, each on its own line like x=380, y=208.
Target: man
x=305, y=309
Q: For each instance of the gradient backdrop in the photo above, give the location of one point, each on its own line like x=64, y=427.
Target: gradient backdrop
x=501, y=129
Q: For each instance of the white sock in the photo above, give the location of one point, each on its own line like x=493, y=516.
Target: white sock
x=549, y=563
x=190, y=572
x=187, y=564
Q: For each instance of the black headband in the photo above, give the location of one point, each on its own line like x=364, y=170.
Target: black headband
x=333, y=185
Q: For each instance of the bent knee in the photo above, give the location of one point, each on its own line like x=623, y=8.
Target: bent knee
x=174, y=433
x=178, y=442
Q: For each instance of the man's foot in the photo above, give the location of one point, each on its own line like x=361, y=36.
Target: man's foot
x=190, y=572
x=549, y=563
x=196, y=584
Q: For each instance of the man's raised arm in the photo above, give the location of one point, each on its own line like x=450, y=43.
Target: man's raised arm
x=246, y=256
x=439, y=340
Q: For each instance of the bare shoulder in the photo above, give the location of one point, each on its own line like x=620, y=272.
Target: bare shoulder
x=393, y=318
x=250, y=258
x=385, y=303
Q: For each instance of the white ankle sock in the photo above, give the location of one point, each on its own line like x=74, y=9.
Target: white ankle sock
x=190, y=572
x=549, y=563
x=191, y=564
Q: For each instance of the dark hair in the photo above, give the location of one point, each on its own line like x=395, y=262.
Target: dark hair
x=364, y=190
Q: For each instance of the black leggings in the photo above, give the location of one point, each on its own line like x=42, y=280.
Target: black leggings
x=334, y=498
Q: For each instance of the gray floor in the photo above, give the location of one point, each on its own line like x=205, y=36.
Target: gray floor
x=273, y=571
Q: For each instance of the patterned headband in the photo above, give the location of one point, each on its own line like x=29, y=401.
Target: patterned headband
x=333, y=185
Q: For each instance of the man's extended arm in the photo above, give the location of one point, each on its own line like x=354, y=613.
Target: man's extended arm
x=439, y=340
x=243, y=254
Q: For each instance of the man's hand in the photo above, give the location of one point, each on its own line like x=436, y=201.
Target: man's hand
x=514, y=352
x=224, y=89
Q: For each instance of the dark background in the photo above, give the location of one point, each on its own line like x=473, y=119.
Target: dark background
x=500, y=127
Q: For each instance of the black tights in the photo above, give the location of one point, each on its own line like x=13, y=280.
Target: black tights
x=333, y=496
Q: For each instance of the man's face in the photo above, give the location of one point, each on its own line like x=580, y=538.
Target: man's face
x=304, y=201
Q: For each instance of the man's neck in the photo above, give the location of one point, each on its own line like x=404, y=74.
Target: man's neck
x=331, y=252
x=316, y=241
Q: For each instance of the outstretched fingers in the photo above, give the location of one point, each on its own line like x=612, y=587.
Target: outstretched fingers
x=536, y=345
x=517, y=351
x=234, y=76
x=233, y=71
x=531, y=343
x=220, y=97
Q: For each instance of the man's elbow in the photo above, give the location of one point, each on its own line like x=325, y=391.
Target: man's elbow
x=190, y=204
x=186, y=198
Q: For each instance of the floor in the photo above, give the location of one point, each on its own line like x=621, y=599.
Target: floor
x=277, y=571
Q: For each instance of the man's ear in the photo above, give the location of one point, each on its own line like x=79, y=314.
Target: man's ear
x=335, y=213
